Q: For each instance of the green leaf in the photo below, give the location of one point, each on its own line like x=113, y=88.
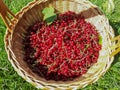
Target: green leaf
x=51, y=19
x=49, y=15
x=100, y=39
x=48, y=10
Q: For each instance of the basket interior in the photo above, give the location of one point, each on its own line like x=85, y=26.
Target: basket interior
x=91, y=13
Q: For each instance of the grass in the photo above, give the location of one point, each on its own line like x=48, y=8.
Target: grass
x=9, y=79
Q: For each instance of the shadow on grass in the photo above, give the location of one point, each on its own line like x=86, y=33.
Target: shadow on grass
x=115, y=26
x=115, y=59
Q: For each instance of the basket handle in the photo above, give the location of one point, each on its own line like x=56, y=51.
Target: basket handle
x=116, y=46
x=5, y=13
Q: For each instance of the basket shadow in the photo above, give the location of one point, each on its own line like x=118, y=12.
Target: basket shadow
x=87, y=13
x=115, y=27
x=91, y=12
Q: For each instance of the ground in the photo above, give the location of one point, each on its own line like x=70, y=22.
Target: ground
x=9, y=79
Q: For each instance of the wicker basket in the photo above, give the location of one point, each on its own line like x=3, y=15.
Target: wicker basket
x=32, y=13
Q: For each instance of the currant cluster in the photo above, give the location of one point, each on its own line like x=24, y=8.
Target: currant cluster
x=67, y=47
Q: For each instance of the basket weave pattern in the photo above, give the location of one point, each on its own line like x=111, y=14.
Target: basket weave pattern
x=31, y=14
